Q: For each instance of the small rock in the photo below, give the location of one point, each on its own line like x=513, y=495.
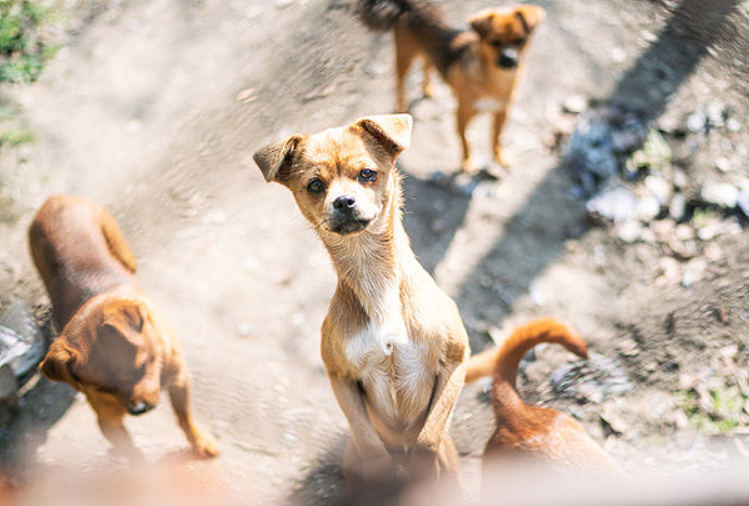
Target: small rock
x=697, y=122
x=669, y=268
x=648, y=208
x=575, y=104
x=677, y=208
x=743, y=202
x=629, y=231
x=716, y=114
x=713, y=252
x=732, y=125
x=617, y=204
x=720, y=194
x=723, y=164
x=618, y=55
x=610, y=416
x=693, y=272
x=659, y=188
x=628, y=348
x=243, y=329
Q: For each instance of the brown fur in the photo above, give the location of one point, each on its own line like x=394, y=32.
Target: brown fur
x=114, y=347
x=393, y=343
x=468, y=60
x=527, y=430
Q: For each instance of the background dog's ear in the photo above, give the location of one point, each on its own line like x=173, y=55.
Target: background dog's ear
x=391, y=131
x=275, y=159
x=56, y=364
x=530, y=16
x=481, y=22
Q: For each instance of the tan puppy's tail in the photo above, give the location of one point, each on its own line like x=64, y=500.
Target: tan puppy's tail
x=504, y=361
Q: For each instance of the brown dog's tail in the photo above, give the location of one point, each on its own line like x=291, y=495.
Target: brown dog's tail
x=504, y=361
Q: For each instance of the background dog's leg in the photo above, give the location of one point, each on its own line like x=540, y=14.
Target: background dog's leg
x=405, y=52
x=203, y=444
x=116, y=242
x=426, y=86
x=465, y=113
x=499, y=121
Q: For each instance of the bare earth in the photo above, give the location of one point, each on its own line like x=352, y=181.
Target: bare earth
x=154, y=108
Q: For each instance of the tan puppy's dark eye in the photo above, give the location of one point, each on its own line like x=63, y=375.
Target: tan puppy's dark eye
x=315, y=186
x=520, y=41
x=368, y=175
x=495, y=43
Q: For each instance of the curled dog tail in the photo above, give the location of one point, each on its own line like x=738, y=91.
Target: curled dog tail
x=504, y=361
x=380, y=15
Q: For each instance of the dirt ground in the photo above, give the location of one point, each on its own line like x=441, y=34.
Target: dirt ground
x=154, y=108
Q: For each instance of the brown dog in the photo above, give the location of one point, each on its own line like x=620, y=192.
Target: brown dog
x=481, y=65
x=393, y=343
x=114, y=347
x=525, y=430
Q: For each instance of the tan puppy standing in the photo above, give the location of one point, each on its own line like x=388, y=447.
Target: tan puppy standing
x=393, y=343
x=481, y=64
x=114, y=346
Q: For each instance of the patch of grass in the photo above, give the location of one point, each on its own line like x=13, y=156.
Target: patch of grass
x=717, y=410
x=16, y=137
x=22, y=52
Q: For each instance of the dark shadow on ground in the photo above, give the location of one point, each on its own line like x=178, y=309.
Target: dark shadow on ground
x=38, y=411
x=517, y=258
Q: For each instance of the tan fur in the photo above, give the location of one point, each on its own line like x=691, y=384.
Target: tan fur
x=468, y=60
x=393, y=343
x=525, y=430
x=114, y=347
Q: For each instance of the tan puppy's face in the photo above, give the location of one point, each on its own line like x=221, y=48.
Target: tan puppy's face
x=504, y=33
x=111, y=355
x=342, y=177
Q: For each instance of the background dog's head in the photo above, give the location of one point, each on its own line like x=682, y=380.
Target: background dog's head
x=343, y=179
x=110, y=352
x=504, y=32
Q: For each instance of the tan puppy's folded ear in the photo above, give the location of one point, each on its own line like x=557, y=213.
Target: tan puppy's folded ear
x=530, y=16
x=56, y=364
x=275, y=159
x=391, y=131
x=481, y=22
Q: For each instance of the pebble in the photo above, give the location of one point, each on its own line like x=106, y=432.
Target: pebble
x=575, y=104
x=693, y=272
x=743, y=202
x=677, y=207
x=720, y=194
x=243, y=329
x=629, y=231
x=617, y=204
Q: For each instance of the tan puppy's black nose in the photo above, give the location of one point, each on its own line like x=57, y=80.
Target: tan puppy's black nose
x=344, y=203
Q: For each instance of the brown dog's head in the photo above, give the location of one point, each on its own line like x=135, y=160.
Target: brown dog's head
x=343, y=179
x=109, y=352
x=504, y=33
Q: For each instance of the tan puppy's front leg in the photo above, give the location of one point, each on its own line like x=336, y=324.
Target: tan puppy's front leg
x=203, y=444
x=499, y=121
x=366, y=456
x=110, y=415
x=434, y=449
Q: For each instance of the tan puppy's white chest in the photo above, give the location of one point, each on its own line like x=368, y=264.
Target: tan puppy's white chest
x=489, y=104
x=393, y=369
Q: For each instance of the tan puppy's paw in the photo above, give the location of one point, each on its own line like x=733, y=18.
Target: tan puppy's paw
x=206, y=446
x=502, y=159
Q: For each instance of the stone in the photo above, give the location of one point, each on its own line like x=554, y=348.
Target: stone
x=720, y=194
x=616, y=204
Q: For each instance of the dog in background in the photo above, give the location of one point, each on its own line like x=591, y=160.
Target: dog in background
x=114, y=346
x=481, y=64
x=532, y=431
x=393, y=343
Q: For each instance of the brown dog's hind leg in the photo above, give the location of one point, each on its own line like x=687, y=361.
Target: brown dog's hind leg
x=498, y=124
x=116, y=242
x=203, y=444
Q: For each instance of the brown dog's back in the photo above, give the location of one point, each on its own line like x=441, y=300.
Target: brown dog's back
x=79, y=252
x=530, y=430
